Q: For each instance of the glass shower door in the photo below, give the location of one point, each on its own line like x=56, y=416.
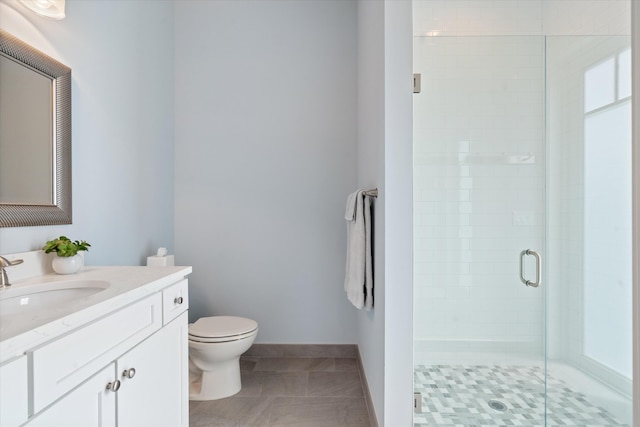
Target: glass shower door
x=479, y=191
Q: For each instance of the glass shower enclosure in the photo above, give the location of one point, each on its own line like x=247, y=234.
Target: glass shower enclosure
x=522, y=219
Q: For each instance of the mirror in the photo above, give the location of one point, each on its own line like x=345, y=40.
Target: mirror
x=35, y=136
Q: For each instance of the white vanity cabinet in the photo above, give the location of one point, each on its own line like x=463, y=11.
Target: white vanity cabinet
x=146, y=386
x=126, y=369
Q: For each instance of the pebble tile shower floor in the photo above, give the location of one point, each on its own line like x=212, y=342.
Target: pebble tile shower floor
x=467, y=395
x=289, y=391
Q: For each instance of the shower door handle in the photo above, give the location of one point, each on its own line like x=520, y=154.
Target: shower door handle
x=535, y=254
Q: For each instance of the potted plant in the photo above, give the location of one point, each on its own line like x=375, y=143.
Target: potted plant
x=68, y=260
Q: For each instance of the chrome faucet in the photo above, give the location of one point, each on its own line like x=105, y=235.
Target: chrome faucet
x=4, y=279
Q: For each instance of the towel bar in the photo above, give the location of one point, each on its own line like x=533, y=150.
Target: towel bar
x=371, y=193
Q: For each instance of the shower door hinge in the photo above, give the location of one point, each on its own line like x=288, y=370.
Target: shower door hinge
x=417, y=402
x=416, y=83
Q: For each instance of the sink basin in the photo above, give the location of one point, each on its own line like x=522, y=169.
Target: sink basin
x=27, y=299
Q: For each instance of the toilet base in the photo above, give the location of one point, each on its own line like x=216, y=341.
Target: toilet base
x=223, y=381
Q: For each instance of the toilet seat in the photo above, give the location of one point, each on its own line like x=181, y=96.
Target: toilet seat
x=216, y=329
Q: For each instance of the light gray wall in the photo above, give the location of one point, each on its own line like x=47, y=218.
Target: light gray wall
x=398, y=332
x=370, y=175
x=265, y=110
x=121, y=58
x=385, y=161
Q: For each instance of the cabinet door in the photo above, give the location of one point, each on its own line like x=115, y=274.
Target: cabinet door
x=14, y=391
x=156, y=395
x=89, y=405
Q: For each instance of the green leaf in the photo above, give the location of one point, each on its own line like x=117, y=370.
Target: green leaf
x=64, y=247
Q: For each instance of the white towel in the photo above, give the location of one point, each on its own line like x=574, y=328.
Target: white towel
x=350, y=211
x=358, y=282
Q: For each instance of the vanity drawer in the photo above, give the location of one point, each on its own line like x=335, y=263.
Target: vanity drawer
x=175, y=300
x=68, y=361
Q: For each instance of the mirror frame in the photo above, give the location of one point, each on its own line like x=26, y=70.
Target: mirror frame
x=59, y=212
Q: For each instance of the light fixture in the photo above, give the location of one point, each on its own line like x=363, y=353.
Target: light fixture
x=53, y=9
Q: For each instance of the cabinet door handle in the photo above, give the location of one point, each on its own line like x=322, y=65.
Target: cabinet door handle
x=114, y=386
x=129, y=373
x=178, y=300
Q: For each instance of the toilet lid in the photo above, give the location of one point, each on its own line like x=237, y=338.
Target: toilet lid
x=221, y=326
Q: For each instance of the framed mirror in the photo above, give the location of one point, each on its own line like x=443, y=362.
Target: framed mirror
x=35, y=136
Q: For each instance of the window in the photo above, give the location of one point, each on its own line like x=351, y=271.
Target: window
x=607, y=213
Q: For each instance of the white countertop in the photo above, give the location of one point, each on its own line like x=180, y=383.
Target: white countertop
x=21, y=332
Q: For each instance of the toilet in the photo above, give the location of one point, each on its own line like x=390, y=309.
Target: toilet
x=215, y=346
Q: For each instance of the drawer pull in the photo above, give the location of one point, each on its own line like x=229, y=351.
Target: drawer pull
x=129, y=373
x=114, y=386
x=178, y=300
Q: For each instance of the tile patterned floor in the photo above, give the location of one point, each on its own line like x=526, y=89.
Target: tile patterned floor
x=460, y=396
x=290, y=391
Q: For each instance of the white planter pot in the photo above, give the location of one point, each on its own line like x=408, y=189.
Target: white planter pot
x=67, y=265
